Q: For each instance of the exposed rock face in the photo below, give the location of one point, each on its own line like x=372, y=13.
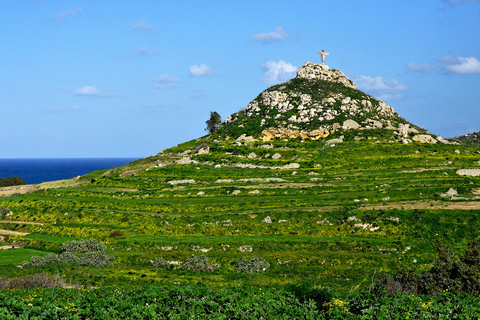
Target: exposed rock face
x=424, y=138
x=469, y=172
x=319, y=71
x=281, y=133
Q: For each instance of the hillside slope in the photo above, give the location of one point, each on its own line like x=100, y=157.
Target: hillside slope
x=330, y=201
x=473, y=137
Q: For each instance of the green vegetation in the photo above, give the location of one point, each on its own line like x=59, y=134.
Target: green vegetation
x=11, y=181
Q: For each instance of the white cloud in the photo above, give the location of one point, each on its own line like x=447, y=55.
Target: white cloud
x=277, y=35
x=384, y=89
x=91, y=91
x=144, y=50
x=87, y=91
x=166, y=82
x=461, y=65
x=67, y=14
x=422, y=68
x=201, y=70
x=277, y=72
x=143, y=25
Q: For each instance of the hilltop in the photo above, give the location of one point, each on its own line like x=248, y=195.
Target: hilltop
x=316, y=104
x=325, y=183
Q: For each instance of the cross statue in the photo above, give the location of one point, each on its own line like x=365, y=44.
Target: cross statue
x=323, y=54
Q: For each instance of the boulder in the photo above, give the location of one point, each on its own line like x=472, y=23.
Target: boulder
x=350, y=124
x=424, y=138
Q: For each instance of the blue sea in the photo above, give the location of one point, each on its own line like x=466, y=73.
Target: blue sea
x=42, y=170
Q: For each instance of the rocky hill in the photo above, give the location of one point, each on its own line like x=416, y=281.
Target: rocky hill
x=473, y=137
x=319, y=103
x=327, y=184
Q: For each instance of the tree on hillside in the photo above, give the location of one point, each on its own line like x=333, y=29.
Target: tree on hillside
x=214, y=122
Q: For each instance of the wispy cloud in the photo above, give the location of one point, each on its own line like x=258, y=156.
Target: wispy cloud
x=63, y=109
x=67, y=14
x=143, y=25
x=277, y=72
x=144, y=50
x=384, y=89
x=91, y=91
x=422, y=68
x=460, y=65
x=200, y=70
x=166, y=82
x=277, y=35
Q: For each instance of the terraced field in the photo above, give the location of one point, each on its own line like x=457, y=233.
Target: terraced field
x=332, y=215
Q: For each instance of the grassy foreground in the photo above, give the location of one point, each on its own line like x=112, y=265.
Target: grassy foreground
x=197, y=302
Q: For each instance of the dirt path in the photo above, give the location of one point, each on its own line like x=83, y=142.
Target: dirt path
x=24, y=222
x=12, y=233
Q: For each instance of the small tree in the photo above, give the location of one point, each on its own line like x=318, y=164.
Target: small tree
x=214, y=122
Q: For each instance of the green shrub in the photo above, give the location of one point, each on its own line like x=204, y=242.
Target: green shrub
x=199, y=263
x=305, y=292
x=97, y=259
x=116, y=233
x=82, y=246
x=38, y=261
x=447, y=273
x=4, y=211
x=253, y=265
x=161, y=263
x=67, y=257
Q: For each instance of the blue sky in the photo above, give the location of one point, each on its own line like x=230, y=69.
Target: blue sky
x=97, y=78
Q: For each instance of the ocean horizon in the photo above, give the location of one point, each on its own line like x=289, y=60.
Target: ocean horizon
x=37, y=170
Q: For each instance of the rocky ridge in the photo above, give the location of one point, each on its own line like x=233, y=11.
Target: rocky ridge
x=473, y=137
x=316, y=104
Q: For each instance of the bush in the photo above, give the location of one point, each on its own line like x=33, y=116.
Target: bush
x=38, y=261
x=94, y=255
x=4, y=211
x=199, y=263
x=32, y=281
x=448, y=273
x=82, y=246
x=161, y=263
x=96, y=259
x=253, y=265
x=305, y=292
x=116, y=233
x=67, y=257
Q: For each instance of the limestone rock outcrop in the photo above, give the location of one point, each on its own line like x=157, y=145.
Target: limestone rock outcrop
x=319, y=71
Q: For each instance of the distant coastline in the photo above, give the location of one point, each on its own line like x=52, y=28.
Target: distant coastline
x=35, y=171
